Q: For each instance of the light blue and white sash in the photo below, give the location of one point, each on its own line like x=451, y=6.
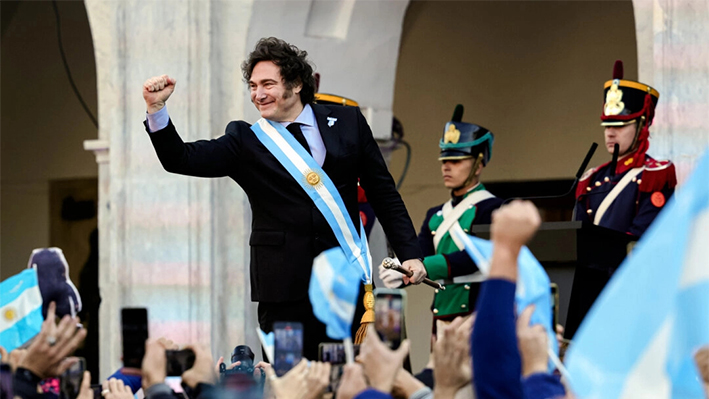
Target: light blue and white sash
x=317, y=184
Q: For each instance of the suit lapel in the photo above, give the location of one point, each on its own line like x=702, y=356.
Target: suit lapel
x=329, y=134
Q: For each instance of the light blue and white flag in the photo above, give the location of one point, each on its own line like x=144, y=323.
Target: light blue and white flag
x=268, y=342
x=639, y=338
x=20, y=309
x=532, y=282
x=334, y=286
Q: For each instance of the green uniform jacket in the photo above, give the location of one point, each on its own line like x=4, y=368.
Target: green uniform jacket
x=448, y=262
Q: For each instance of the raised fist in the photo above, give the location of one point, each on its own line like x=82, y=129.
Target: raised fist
x=514, y=225
x=156, y=91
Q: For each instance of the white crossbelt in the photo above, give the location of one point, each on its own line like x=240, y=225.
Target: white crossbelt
x=450, y=221
x=613, y=194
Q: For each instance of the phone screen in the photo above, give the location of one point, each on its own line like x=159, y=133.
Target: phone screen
x=134, y=327
x=389, y=319
x=288, y=346
x=334, y=353
x=70, y=380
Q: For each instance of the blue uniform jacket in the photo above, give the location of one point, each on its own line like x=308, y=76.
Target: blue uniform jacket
x=639, y=202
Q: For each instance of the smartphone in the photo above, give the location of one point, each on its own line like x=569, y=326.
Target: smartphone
x=389, y=309
x=70, y=380
x=134, y=328
x=178, y=362
x=288, y=345
x=554, y=305
x=334, y=353
x=96, y=391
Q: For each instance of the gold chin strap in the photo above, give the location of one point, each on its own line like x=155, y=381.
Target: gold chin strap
x=368, y=316
x=471, y=176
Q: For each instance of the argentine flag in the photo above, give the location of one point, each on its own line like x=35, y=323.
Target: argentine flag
x=532, y=282
x=334, y=286
x=20, y=309
x=639, y=338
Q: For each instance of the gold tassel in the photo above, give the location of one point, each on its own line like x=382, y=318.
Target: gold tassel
x=367, y=317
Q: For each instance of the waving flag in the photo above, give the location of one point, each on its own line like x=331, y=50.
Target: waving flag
x=334, y=286
x=20, y=309
x=532, y=282
x=639, y=338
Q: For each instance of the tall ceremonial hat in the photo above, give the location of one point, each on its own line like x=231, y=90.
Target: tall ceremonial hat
x=463, y=140
x=626, y=101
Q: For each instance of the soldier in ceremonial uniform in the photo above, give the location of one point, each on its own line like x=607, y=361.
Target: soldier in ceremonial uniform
x=626, y=195
x=465, y=150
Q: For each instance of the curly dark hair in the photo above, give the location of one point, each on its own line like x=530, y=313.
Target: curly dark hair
x=293, y=63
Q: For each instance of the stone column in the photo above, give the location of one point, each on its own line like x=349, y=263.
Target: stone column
x=673, y=56
x=176, y=245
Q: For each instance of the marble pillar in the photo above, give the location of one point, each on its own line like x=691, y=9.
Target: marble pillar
x=673, y=56
x=176, y=245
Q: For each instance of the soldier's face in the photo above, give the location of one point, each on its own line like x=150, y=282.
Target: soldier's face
x=270, y=96
x=621, y=135
x=455, y=172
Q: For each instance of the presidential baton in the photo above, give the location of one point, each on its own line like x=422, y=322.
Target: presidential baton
x=389, y=263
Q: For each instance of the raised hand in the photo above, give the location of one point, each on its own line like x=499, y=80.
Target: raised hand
x=352, y=382
x=47, y=355
x=154, y=364
x=156, y=91
x=380, y=363
x=515, y=224
x=318, y=379
x=202, y=370
x=292, y=385
x=533, y=343
x=452, y=357
x=116, y=389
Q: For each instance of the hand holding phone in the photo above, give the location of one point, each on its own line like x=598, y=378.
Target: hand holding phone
x=177, y=362
x=334, y=353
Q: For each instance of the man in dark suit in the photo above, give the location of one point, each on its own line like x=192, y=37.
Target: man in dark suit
x=288, y=231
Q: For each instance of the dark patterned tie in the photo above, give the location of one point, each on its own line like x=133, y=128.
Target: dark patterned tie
x=294, y=128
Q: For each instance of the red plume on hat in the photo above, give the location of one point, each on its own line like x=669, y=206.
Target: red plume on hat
x=618, y=69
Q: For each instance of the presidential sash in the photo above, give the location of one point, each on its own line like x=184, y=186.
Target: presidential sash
x=317, y=184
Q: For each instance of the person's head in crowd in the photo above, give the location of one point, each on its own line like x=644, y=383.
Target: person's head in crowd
x=280, y=79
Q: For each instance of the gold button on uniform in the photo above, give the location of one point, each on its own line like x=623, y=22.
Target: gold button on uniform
x=436, y=291
x=467, y=287
x=463, y=306
x=598, y=184
x=589, y=211
x=435, y=311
